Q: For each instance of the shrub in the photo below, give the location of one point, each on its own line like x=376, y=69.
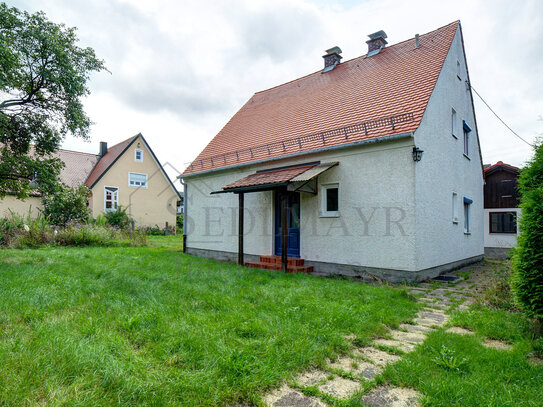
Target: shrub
x=119, y=218
x=67, y=205
x=179, y=222
x=527, y=281
x=24, y=231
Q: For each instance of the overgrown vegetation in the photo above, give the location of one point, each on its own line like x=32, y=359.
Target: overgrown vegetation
x=527, y=281
x=67, y=205
x=31, y=232
x=119, y=218
x=152, y=326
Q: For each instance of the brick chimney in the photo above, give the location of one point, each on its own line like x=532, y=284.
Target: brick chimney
x=331, y=59
x=103, y=149
x=376, y=43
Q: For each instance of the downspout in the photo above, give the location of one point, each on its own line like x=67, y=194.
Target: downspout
x=185, y=210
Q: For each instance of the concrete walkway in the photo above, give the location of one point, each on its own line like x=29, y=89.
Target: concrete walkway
x=350, y=375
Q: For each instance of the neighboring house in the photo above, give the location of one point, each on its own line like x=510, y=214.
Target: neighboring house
x=329, y=168
x=127, y=174
x=501, y=208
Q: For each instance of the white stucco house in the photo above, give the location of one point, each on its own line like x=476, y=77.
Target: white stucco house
x=369, y=167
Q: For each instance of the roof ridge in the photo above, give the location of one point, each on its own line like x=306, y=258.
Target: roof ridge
x=353, y=59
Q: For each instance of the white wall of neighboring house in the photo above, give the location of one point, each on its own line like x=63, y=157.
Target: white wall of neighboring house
x=376, y=184
x=444, y=170
x=501, y=240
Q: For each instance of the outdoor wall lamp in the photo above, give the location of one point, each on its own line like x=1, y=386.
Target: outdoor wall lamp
x=417, y=153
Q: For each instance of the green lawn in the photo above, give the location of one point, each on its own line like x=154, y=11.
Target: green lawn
x=487, y=377
x=151, y=326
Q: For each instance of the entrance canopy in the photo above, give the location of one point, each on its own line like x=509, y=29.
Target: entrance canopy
x=300, y=178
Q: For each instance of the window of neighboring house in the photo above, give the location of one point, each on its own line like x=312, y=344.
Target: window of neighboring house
x=467, y=131
x=111, y=198
x=330, y=200
x=458, y=70
x=138, y=155
x=455, y=207
x=453, y=123
x=467, y=215
x=137, y=180
x=503, y=222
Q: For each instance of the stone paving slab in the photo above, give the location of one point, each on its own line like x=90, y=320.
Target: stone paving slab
x=416, y=328
x=287, y=397
x=385, y=396
x=401, y=345
x=494, y=344
x=356, y=366
x=311, y=377
x=439, y=318
x=378, y=356
x=408, y=336
x=460, y=331
x=340, y=387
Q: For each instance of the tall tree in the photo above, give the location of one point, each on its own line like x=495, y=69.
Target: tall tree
x=43, y=79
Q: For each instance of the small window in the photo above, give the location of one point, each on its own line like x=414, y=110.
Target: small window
x=453, y=123
x=467, y=215
x=455, y=207
x=330, y=200
x=458, y=70
x=138, y=155
x=503, y=222
x=137, y=180
x=111, y=198
x=467, y=131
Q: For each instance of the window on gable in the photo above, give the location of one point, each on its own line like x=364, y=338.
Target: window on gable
x=330, y=200
x=467, y=131
x=111, y=198
x=467, y=215
x=138, y=155
x=453, y=122
x=503, y=222
x=137, y=180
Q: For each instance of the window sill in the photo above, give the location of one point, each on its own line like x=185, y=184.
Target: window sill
x=465, y=155
x=138, y=186
x=329, y=214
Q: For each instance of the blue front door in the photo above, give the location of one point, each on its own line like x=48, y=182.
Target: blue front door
x=293, y=224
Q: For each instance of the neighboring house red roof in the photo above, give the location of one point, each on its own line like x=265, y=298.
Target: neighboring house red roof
x=396, y=82
x=77, y=167
x=113, y=153
x=269, y=177
x=490, y=168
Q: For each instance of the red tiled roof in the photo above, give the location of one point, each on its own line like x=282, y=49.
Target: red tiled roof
x=107, y=160
x=269, y=177
x=397, y=81
x=500, y=164
x=77, y=167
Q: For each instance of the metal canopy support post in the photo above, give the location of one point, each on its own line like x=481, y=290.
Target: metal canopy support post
x=240, y=229
x=284, y=230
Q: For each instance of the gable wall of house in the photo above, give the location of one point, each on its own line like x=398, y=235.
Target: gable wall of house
x=375, y=228
x=444, y=169
x=154, y=205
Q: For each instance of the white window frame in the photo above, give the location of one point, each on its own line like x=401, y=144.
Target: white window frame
x=324, y=213
x=454, y=124
x=135, y=185
x=115, y=200
x=467, y=215
x=454, y=208
x=136, y=151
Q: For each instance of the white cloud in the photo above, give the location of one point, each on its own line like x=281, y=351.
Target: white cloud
x=180, y=70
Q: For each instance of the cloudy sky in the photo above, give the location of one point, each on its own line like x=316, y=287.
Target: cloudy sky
x=180, y=69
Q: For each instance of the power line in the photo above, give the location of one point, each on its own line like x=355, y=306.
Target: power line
x=499, y=118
